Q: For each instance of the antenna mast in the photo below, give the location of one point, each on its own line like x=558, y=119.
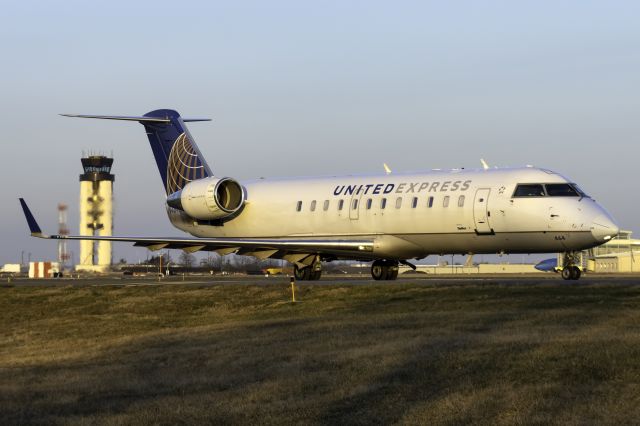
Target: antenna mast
x=63, y=254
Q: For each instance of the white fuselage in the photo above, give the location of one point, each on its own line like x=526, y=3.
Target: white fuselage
x=437, y=212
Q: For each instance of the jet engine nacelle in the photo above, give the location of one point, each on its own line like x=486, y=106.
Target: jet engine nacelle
x=209, y=199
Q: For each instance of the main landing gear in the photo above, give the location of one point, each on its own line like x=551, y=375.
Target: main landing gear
x=384, y=270
x=570, y=269
x=308, y=273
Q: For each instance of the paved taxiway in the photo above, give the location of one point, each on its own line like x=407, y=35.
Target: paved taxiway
x=207, y=281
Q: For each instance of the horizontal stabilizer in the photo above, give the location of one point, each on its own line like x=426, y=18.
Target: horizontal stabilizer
x=178, y=158
x=191, y=120
x=121, y=117
x=134, y=118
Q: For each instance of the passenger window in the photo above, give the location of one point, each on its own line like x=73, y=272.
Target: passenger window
x=313, y=206
x=445, y=201
x=340, y=204
x=398, y=202
x=299, y=206
x=529, y=190
x=326, y=205
x=430, y=204
x=383, y=203
x=461, y=201
x=414, y=202
x=561, y=190
x=354, y=205
x=369, y=202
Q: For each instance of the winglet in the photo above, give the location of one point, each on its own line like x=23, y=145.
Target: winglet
x=31, y=221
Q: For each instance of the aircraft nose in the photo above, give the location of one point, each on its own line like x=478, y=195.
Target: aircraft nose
x=603, y=228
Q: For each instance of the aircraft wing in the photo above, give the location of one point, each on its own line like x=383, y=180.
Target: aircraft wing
x=293, y=249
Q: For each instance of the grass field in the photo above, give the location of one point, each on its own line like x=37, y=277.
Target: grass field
x=407, y=353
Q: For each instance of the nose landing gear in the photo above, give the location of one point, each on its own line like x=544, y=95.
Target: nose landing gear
x=570, y=268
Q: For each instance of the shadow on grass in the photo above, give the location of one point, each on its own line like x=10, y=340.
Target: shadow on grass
x=480, y=357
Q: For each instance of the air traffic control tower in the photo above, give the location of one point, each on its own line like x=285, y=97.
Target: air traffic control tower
x=96, y=212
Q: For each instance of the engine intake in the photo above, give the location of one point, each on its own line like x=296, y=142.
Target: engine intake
x=209, y=199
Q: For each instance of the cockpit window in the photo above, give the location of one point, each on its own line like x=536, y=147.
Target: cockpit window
x=580, y=191
x=529, y=190
x=548, y=190
x=561, y=190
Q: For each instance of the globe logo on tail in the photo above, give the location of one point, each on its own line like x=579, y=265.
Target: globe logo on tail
x=184, y=165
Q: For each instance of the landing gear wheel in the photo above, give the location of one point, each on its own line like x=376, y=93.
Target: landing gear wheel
x=378, y=270
x=575, y=273
x=315, y=270
x=301, y=274
x=308, y=273
x=571, y=273
x=315, y=275
x=393, y=272
x=571, y=270
x=384, y=270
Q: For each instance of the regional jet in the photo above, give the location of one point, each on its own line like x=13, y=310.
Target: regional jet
x=387, y=219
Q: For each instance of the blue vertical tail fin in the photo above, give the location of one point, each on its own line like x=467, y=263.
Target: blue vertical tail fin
x=177, y=156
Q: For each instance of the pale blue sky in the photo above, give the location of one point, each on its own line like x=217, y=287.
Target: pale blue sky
x=314, y=88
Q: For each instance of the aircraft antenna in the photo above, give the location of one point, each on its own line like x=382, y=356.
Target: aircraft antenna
x=63, y=254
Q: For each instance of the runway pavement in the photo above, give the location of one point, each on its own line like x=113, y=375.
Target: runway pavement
x=339, y=280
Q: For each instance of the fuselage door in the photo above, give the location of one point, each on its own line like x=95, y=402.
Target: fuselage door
x=481, y=212
x=354, y=205
x=558, y=226
x=556, y=222
x=553, y=218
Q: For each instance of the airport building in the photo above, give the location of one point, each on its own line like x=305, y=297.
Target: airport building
x=96, y=213
x=621, y=254
x=44, y=269
x=11, y=268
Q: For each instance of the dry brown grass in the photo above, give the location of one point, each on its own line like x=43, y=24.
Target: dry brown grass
x=392, y=353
